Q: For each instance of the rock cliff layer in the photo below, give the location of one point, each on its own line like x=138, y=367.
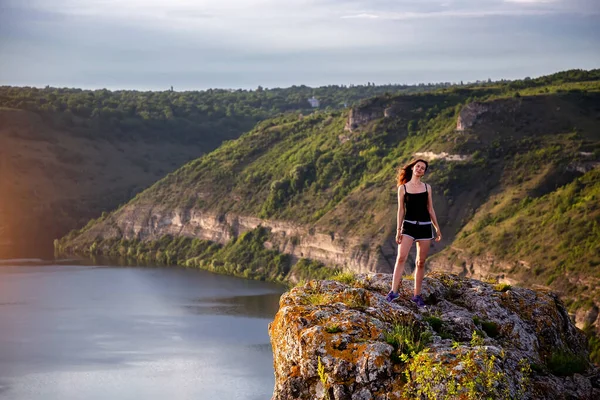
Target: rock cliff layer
x=153, y=222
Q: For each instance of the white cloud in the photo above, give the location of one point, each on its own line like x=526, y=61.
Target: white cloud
x=301, y=41
x=452, y=14
x=531, y=1
x=365, y=16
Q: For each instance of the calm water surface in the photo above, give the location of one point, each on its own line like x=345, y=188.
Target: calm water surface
x=97, y=332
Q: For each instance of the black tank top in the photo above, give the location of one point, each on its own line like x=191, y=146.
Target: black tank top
x=415, y=205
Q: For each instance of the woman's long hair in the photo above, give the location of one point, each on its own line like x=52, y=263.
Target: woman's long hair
x=405, y=173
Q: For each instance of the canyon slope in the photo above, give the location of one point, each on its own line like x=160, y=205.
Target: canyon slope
x=67, y=155
x=514, y=171
x=52, y=181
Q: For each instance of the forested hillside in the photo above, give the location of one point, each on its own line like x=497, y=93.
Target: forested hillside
x=513, y=168
x=210, y=116
x=195, y=117
x=67, y=155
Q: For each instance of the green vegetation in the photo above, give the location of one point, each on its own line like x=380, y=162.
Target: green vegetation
x=324, y=378
x=209, y=116
x=521, y=194
x=565, y=363
x=594, y=346
x=569, y=218
x=319, y=298
x=437, y=325
x=217, y=114
x=557, y=79
x=593, y=343
x=244, y=256
x=333, y=328
x=490, y=328
x=347, y=277
x=408, y=339
x=502, y=287
x=435, y=322
x=306, y=269
x=481, y=375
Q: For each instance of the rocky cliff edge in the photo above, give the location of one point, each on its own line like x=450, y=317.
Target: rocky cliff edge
x=342, y=340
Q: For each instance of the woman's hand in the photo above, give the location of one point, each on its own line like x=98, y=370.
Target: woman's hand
x=398, y=237
x=438, y=235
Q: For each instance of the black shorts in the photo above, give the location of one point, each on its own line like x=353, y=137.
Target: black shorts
x=418, y=230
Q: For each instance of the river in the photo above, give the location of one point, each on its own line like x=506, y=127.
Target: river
x=108, y=332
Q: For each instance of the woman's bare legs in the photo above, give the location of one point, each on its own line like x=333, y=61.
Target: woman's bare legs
x=422, y=250
x=403, y=249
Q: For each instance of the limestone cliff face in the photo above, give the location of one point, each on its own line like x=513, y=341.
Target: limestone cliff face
x=469, y=114
x=505, y=110
x=358, y=117
x=151, y=222
x=344, y=341
x=378, y=108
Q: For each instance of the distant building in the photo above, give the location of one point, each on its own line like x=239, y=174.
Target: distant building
x=314, y=103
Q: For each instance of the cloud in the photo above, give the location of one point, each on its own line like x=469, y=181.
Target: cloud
x=356, y=16
x=207, y=43
x=451, y=14
x=531, y=1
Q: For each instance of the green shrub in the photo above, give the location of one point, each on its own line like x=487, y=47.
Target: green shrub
x=565, y=363
x=490, y=328
x=347, y=277
x=437, y=325
x=306, y=269
x=333, y=328
x=407, y=338
x=434, y=322
x=481, y=376
x=319, y=298
x=502, y=287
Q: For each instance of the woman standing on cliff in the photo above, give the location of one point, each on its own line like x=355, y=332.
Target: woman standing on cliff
x=416, y=218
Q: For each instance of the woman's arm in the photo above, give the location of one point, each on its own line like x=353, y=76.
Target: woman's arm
x=400, y=217
x=433, y=217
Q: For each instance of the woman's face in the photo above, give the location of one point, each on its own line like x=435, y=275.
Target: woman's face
x=419, y=168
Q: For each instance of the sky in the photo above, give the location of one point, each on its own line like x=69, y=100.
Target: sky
x=201, y=44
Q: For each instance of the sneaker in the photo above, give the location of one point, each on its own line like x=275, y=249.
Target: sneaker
x=391, y=296
x=418, y=301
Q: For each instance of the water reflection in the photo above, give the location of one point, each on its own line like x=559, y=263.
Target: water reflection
x=97, y=332
x=257, y=306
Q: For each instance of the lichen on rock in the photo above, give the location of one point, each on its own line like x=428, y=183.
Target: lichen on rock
x=333, y=340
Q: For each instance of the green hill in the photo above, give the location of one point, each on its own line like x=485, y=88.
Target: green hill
x=514, y=168
x=204, y=117
x=67, y=155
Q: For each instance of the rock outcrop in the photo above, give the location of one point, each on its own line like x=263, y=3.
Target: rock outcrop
x=334, y=340
x=469, y=114
x=376, y=109
x=358, y=117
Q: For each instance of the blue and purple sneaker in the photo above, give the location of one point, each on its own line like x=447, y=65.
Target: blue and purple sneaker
x=418, y=301
x=391, y=296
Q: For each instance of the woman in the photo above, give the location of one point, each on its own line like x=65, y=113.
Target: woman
x=415, y=219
